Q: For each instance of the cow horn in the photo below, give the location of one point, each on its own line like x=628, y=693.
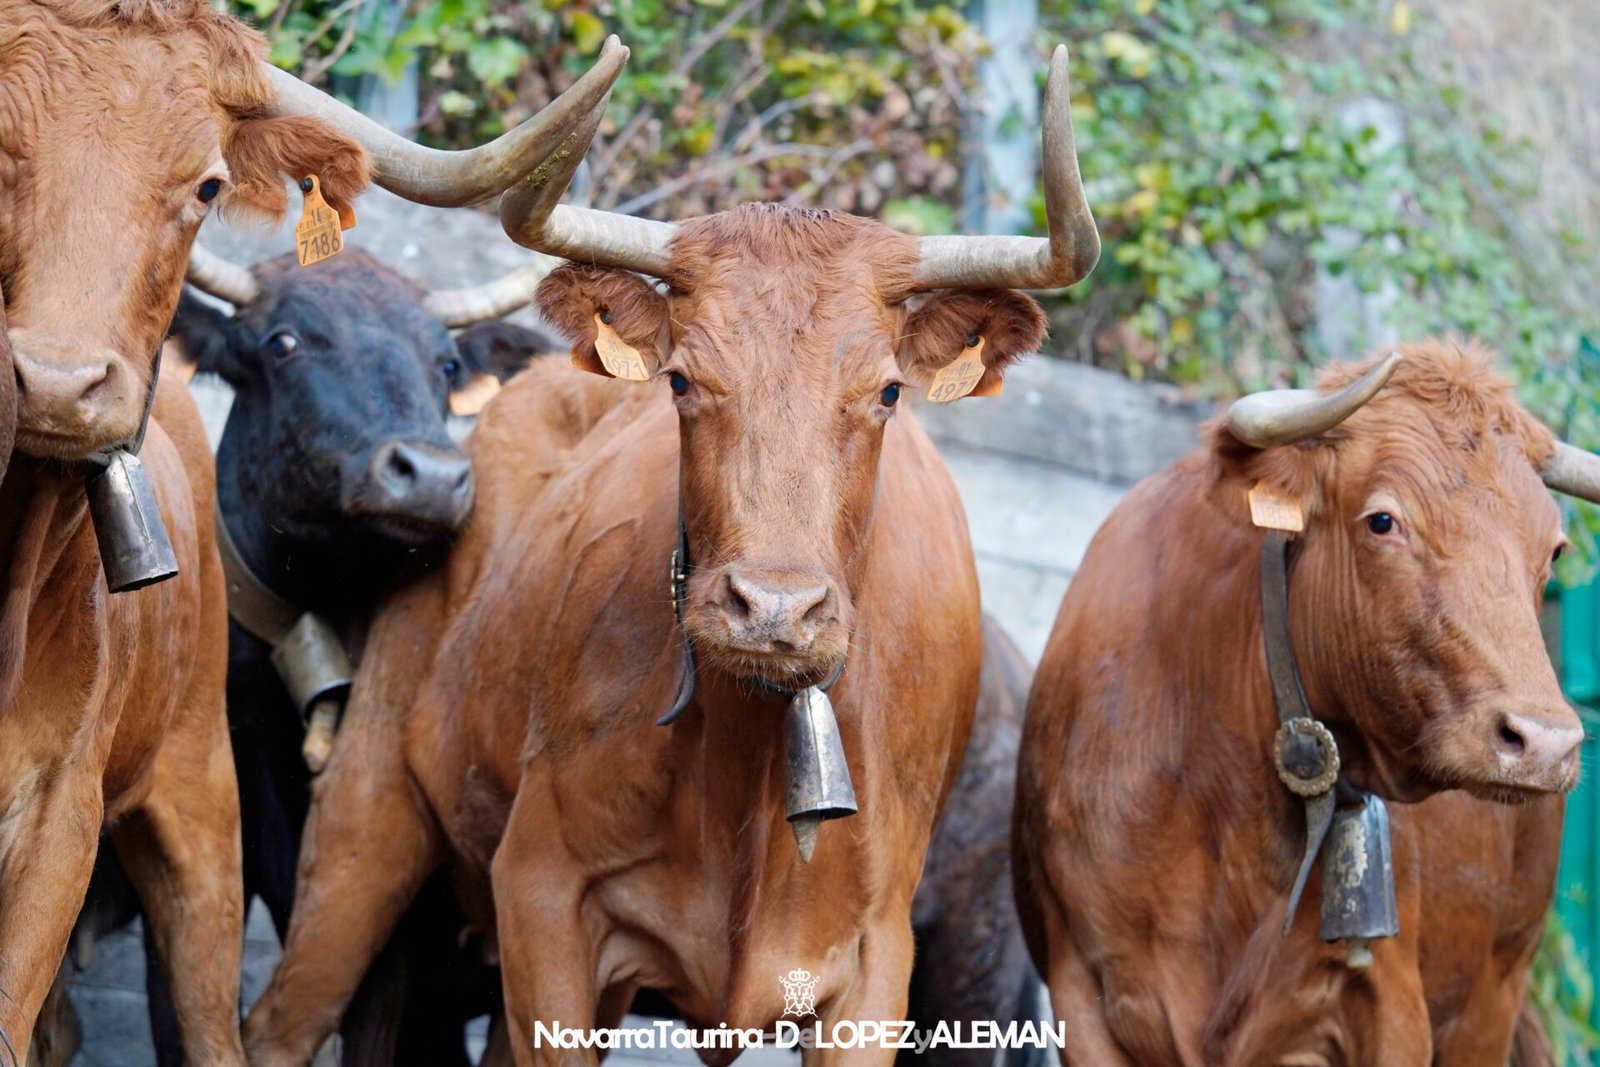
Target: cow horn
x=1063, y=258
x=455, y=179
x=1284, y=416
x=533, y=217
x=221, y=278
x=1573, y=471
x=479, y=303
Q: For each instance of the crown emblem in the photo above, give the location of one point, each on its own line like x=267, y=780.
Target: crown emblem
x=799, y=992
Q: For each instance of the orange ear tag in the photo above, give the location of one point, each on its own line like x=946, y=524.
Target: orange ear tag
x=619, y=358
x=316, y=235
x=955, y=380
x=1271, y=510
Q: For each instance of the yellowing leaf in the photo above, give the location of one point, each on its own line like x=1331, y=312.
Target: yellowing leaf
x=1400, y=18
x=1143, y=7
x=587, y=32
x=1152, y=175
x=1182, y=332
x=1118, y=44
x=1141, y=203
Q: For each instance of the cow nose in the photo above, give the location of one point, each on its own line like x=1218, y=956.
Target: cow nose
x=775, y=612
x=1539, y=749
x=63, y=396
x=422, y=481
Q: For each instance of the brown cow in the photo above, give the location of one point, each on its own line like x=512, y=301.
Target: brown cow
x=120, y=123
x=505, y=716
x=1155, y=843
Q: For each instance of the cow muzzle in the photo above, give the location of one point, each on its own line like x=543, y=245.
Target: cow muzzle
x=1511, y=751
x=782, y=625
x=412, y=490
x=71, y=403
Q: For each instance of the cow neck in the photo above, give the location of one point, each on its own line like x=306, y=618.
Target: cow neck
x=43, y=513
x=251, y=602
x=1306, y=757
x=308, y=652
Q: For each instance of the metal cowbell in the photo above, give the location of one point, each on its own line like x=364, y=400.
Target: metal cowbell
x=135, y=550
x=312, y=661
x=1358, y=902
x=817, y=784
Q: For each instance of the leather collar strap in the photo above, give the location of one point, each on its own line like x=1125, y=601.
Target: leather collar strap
x=1304, y=750
x=133, y=444
x=679, y=581
x=255, y=607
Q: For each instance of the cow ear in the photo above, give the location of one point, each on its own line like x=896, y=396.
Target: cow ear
x=491, y=354
x=501, y=349
x=960, y=343
x=200, y=334
x=616, y=321
x=1268, y=484
x=263, y=153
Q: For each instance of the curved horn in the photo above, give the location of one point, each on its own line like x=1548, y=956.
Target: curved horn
x=479, y=303
x=454, y=179
x=533, y=218
x=1573, y=471
x=1284, y=416
x=1063, y=258
x=221, y=278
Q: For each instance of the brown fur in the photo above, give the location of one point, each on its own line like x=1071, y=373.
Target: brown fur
x=520, y=742
x=115, y=721
x=140, y=103
x=1155, y=845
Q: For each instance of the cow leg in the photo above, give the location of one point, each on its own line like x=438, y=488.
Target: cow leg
x=546, y=961
x=1078, y=1001
x=54, y=835
x=370, y=843
x=180, y=847
x=879, y=992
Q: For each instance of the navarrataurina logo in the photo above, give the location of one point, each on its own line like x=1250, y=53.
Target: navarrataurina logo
x=799, y=992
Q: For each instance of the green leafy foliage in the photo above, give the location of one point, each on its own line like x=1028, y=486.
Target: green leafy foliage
x=1562, y=988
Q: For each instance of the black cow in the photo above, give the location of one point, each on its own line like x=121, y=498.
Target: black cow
x=971, y=961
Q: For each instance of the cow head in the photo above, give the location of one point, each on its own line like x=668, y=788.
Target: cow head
x=342, y=375
x=1417, y=582
x=121, y=127
x=786, y=337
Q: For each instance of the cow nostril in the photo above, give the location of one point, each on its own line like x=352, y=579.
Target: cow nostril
x=99, y=383
x=738, y=605
x=1509, y=740
x=400, y=465
x=821, y=611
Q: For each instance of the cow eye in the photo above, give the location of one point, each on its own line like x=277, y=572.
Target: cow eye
x=1381, y=523
x=680, y=384
x=1557, y=553
x=890, y=395
x=451, y=368
x=208, y=190
x=282, y=344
